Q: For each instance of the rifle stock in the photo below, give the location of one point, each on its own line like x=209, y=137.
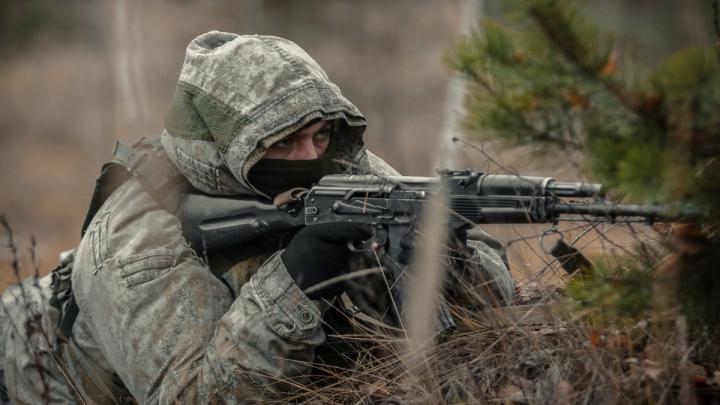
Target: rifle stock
x=213, y=223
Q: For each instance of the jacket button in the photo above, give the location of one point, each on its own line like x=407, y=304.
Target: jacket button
x=306, y=316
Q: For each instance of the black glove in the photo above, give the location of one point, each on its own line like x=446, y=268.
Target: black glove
x=320, y=252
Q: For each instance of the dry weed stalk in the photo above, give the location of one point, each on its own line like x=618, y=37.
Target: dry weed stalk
x=29, y=294
x=33, y=323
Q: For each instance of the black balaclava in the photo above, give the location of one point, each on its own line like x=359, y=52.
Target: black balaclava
x=274, y=176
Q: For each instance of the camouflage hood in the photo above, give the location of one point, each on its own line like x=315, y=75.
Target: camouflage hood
x=238, y=94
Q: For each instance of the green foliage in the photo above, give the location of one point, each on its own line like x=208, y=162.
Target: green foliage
x=547, y=77
x=611, y=291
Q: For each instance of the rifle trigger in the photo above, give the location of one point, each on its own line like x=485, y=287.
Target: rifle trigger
x=375, y=243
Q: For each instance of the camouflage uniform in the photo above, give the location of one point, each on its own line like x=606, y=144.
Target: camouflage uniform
x=154, y=318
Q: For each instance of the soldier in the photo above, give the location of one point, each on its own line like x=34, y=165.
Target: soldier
x=153, y=319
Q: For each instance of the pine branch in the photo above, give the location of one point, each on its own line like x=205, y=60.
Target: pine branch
x=474, y=59
x=561, y=24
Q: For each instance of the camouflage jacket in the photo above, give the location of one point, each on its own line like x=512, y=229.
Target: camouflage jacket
x=156, y=322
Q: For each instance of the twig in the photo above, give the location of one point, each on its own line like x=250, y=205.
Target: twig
x=343, y=277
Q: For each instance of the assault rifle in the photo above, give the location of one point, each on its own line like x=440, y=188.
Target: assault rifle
x=393, y=204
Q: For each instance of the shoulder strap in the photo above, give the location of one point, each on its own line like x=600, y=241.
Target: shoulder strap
x=112, y=176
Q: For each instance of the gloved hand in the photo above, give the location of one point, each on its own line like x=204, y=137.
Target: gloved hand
x=320, y=252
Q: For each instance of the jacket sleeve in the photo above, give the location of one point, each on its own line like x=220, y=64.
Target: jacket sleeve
x=368, y=162
x=484, y=278
x=170, y=329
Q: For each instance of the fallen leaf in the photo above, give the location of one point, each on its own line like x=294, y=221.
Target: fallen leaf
x=510, y=393
x=610, y=66
x=653, y=370
x=563, y=393
x=576, y=100
x=697, y=374
x=619, y=341
x=698, y=379
x=595, y=337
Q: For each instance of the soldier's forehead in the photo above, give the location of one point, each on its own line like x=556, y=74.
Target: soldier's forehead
x=324, y=125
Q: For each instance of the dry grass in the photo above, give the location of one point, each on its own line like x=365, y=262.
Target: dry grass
x=543, y=350
x=565, y=361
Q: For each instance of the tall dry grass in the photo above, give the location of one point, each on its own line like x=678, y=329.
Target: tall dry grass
x=540, y=351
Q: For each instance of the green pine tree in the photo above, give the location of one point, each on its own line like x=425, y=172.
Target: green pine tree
x=546, y=76
x=552, y=79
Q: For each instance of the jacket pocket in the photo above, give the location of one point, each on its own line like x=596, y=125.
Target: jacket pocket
x=290, y=313
x=99, y=239
x=147, y=266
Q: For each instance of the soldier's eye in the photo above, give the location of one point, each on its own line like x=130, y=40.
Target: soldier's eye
x=322, y=136
x=282, y=144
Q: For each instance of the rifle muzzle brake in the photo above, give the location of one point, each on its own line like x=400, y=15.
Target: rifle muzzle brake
x=513, y=185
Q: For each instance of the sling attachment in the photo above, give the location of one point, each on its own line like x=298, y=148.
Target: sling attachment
x=289, y=197
x=145, y=160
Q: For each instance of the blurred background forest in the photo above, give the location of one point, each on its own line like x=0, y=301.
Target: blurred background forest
x=76, y=75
